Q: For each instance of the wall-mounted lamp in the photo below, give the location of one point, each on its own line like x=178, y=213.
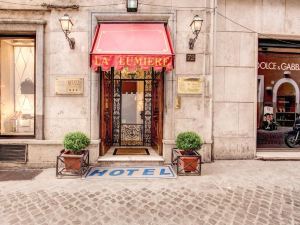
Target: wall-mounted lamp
x=66, y=26
x=132, y=5
x=196, y=25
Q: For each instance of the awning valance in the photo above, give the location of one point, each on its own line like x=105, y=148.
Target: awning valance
x=133, y=45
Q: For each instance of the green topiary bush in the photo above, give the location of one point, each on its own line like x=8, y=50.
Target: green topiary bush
x=189, y=141
x=76, y=141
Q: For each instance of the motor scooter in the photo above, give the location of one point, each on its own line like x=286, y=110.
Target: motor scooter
x=292, y=138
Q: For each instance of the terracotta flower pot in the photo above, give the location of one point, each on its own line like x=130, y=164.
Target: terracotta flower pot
x=72, y=162
x=189, y=163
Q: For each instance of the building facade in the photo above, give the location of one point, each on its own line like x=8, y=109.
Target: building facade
x=37, y=62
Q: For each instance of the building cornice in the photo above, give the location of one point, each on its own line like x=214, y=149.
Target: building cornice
x=22, y=21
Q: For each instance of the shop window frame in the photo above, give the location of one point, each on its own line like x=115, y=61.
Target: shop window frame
x=23, y=36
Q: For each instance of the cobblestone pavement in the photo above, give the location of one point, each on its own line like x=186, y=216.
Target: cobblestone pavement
x=229, y=192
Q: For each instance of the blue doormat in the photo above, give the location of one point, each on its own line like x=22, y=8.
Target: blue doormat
x=136, y=172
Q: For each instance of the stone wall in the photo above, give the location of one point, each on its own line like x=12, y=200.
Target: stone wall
x=235, y=68
x=61, y=114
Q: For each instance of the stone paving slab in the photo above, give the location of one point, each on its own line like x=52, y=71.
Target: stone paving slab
x=229, y=192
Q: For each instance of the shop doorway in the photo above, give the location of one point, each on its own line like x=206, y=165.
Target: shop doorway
x=132, y=109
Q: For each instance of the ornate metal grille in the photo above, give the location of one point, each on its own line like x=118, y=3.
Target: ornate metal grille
x=132, y=134
x=117, y=111
x=107, y=105
x=148, y=112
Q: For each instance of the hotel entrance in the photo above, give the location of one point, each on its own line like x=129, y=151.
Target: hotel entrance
x=132, y=109
x=132, y=59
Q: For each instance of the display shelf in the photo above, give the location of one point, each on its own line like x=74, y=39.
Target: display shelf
x=285, y=113
x=286, y=119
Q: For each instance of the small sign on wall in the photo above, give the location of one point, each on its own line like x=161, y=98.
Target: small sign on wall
x=190, y=57
x=189, y=85
x=69, y=86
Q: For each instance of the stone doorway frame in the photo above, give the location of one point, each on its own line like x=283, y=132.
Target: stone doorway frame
x=169, y=81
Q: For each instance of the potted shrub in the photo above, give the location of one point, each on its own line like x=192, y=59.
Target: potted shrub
x=75, y=144
x=188, y=143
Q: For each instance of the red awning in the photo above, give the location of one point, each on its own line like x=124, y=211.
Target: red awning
x=132, y=45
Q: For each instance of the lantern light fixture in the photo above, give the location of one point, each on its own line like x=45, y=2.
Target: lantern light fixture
x=132, y=5
x=196, y=26
x=66, y=26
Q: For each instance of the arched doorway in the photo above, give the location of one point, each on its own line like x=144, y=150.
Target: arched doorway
x=286, y=101
x=286, y=96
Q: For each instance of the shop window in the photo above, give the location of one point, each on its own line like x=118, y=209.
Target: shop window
x=17, y=82
x=278, y=91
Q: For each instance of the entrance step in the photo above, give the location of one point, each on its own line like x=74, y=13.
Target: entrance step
x=278, y=150
x=278, y=156
x=130, y=160
x=129, y=163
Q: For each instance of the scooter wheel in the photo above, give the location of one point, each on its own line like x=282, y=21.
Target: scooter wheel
x=290, y=140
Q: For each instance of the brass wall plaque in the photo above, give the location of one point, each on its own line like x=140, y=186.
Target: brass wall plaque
x=69, y=86
x=189, y=85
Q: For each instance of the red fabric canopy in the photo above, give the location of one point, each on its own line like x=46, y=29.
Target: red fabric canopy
x=132, y=45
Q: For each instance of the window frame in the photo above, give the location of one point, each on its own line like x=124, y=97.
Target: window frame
x=30, y=136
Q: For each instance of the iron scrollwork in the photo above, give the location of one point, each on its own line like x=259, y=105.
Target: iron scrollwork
x=132, y=134
x=117, y=111
x=107, y=99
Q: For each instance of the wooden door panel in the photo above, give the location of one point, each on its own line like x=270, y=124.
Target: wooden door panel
x=161, y=112
x=157, y=112
x=106, y=112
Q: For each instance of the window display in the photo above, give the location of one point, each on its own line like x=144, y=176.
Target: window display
x=278, y=96
x=17, y=86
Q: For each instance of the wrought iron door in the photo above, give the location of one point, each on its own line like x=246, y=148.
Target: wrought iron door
x=132, y=134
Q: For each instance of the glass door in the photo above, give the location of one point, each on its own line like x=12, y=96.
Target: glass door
x=132, y=112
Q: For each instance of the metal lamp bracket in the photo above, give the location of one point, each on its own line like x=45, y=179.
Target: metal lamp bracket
x=192, y=41
x=70, y=40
